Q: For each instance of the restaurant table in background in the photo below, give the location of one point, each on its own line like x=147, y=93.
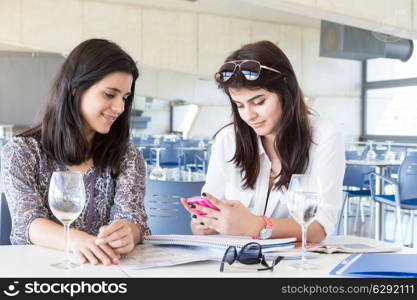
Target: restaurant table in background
x=191, y=148
x=379, y=166
x=197, y=149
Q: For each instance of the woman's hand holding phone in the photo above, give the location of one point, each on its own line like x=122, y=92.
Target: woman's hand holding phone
x=197, y=226
x=230, y=218
x=203, y=202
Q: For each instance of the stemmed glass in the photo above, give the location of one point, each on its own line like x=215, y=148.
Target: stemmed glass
x=157, y=141
x=352, y=146
x=390, y=155
x=201, y=143
x=371, y=154
x=303, y=202
x=157, y=172
x=66, y=198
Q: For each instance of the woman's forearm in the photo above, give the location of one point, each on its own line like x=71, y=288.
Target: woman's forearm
x=290, y=228
x=46, y=233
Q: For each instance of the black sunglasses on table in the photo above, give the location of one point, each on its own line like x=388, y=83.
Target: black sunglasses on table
x=249, y=254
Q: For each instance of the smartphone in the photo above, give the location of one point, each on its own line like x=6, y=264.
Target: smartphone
x=203, y=201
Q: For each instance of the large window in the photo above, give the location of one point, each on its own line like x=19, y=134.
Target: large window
x=389, y=100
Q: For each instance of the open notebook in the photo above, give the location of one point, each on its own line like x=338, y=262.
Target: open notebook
x=353, y=244
x=219, y=241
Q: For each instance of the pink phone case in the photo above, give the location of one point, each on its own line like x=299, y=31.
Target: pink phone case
x=203, y=202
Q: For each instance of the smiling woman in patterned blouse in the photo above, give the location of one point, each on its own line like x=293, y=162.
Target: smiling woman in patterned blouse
x=85, y=128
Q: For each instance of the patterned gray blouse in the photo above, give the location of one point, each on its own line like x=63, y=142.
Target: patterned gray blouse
x=26, y=173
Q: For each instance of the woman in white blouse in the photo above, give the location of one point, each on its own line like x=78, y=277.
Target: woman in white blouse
x=273, y=135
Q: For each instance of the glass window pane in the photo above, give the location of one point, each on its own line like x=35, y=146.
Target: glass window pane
x=392, y=111
x=387, y=69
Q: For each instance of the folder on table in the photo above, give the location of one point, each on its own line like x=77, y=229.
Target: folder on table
x=378, y=265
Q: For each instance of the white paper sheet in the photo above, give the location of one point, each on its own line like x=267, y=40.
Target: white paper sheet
x=151, y=256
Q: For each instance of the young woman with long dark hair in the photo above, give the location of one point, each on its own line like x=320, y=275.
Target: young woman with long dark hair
x=85, y=128
x=273, y=136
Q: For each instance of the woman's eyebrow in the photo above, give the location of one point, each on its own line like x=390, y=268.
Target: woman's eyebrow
x=116, y=90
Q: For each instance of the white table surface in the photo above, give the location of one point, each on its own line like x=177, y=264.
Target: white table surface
x=35, y=261
x=211, y=269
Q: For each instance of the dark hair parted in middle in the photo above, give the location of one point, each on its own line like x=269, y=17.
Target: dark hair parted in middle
x=293, y=133
x=61, y=129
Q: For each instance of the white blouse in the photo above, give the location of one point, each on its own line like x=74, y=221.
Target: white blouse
x=327, y=160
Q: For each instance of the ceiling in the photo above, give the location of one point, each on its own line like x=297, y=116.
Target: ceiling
x=229, y=8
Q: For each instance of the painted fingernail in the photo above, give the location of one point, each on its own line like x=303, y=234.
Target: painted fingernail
x=195, y=216
x=201, y=223
x=192, y=206
x=204, y=194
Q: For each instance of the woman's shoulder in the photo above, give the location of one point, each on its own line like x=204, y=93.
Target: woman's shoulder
x=22, y=153
x=324, y=128
x=225, y=134
x=131, y=153
x=22, y=144
x=224, y=145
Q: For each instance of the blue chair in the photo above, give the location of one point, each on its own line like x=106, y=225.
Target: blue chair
x=169, y=155
x=195, y=160
x=352, y=155
x=187, y=157
x=405, y=191
x=206, y=157
x=393, y=171
x=5, y=221
x=166, y=215
x=142, y=145
x=354, y=183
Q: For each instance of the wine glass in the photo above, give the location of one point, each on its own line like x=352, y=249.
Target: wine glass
x=157, y=172
x=389, y=155
x=66, y=198
x=303, y=201
x=371, y=154
x=157, y=141
x=201, y=143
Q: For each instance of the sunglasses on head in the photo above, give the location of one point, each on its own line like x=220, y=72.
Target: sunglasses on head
x=251, y=69
x=249, y=254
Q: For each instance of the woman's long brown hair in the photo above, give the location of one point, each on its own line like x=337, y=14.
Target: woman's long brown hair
x=61, y=130
x=293, y=134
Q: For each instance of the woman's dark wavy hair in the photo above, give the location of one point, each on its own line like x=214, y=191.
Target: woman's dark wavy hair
x=293, y=134
x=61, y=129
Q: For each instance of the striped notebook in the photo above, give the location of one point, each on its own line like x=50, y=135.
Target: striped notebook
x=219, y=241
